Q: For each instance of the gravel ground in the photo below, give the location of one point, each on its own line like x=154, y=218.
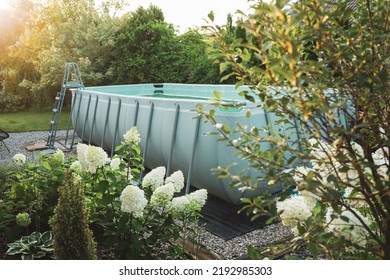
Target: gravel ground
x=231, y=249
x=236, y=248
x=17, y=143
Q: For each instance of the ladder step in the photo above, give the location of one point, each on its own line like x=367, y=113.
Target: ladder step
x=72, y=84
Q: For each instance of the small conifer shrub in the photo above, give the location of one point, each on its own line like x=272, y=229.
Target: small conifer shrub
x=73, y=239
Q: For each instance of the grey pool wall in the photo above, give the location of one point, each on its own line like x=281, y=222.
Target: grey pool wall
x=171, y=133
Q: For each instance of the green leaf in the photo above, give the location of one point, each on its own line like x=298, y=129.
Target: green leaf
x=46, y=236
x=14, y=248
x=344, y=218
x=217, y=94
x=34, y=238
x=253, y=253
x=280, y=3
x=211, y=16
x=250, y=98
x=226, y=129
x=239, y=83
x=46, y=165
x=223, y=67
x=313, y=248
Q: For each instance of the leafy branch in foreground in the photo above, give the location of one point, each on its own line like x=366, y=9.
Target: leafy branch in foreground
x=320, y=70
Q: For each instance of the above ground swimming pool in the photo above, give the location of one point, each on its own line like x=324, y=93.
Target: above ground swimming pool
x=171, y=134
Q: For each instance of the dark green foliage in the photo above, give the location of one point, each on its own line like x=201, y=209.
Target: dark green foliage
x=198, y=67
x=148, y=50
x=73, y=238
x=30, y=188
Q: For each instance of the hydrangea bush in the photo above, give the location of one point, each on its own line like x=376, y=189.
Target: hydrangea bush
x=350, y=218
x=153, y=218
x=141, y=218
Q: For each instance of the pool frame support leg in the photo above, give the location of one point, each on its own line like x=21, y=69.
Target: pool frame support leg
x=173, y=138
x=195, y=141
x=86, y=116
x=77, y=119
x=116, y=127
x=106, y=122
x=93, y=120
x=70, y=118
x=147, y=134
x=136, y=112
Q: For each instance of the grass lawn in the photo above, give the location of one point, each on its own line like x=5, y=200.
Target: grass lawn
x=32, y=120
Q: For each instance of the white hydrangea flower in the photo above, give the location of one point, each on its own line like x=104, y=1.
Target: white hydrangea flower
x=380, y=160
x=321, y=150
x=75, y=167
x=59, y=156
x=356, y=199
x=300, y=173
x=132, y=136
x=133, y=201
x=380, y=157
x=292, y=210
x=19, y=158
x=162, y=195
x=115, y=163
x=198, y=197
x=383, y=134
x=154, y=178
x=357, y=235
x=179, y=204
x=177, y=179
x=357, y=149
x=81, y=154
x=91, y=157
x=310, y=199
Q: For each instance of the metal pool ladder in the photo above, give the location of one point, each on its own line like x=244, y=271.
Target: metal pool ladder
x=72, y=79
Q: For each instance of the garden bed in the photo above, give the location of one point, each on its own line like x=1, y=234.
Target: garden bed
x=213, y=246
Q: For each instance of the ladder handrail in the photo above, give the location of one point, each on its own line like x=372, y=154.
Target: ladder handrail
x=68, y=82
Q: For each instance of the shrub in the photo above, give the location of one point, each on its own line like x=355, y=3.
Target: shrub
x=321, y=67
x=73, y=240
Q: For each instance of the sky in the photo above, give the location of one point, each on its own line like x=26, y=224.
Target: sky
x=185, y=14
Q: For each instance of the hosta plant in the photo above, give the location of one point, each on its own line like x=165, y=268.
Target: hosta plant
x=35, y=246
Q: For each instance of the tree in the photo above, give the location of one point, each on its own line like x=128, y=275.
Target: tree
x=147, y=49
x=59, y=33
x=321, y=67
x=13, y=22
x=198, y=67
